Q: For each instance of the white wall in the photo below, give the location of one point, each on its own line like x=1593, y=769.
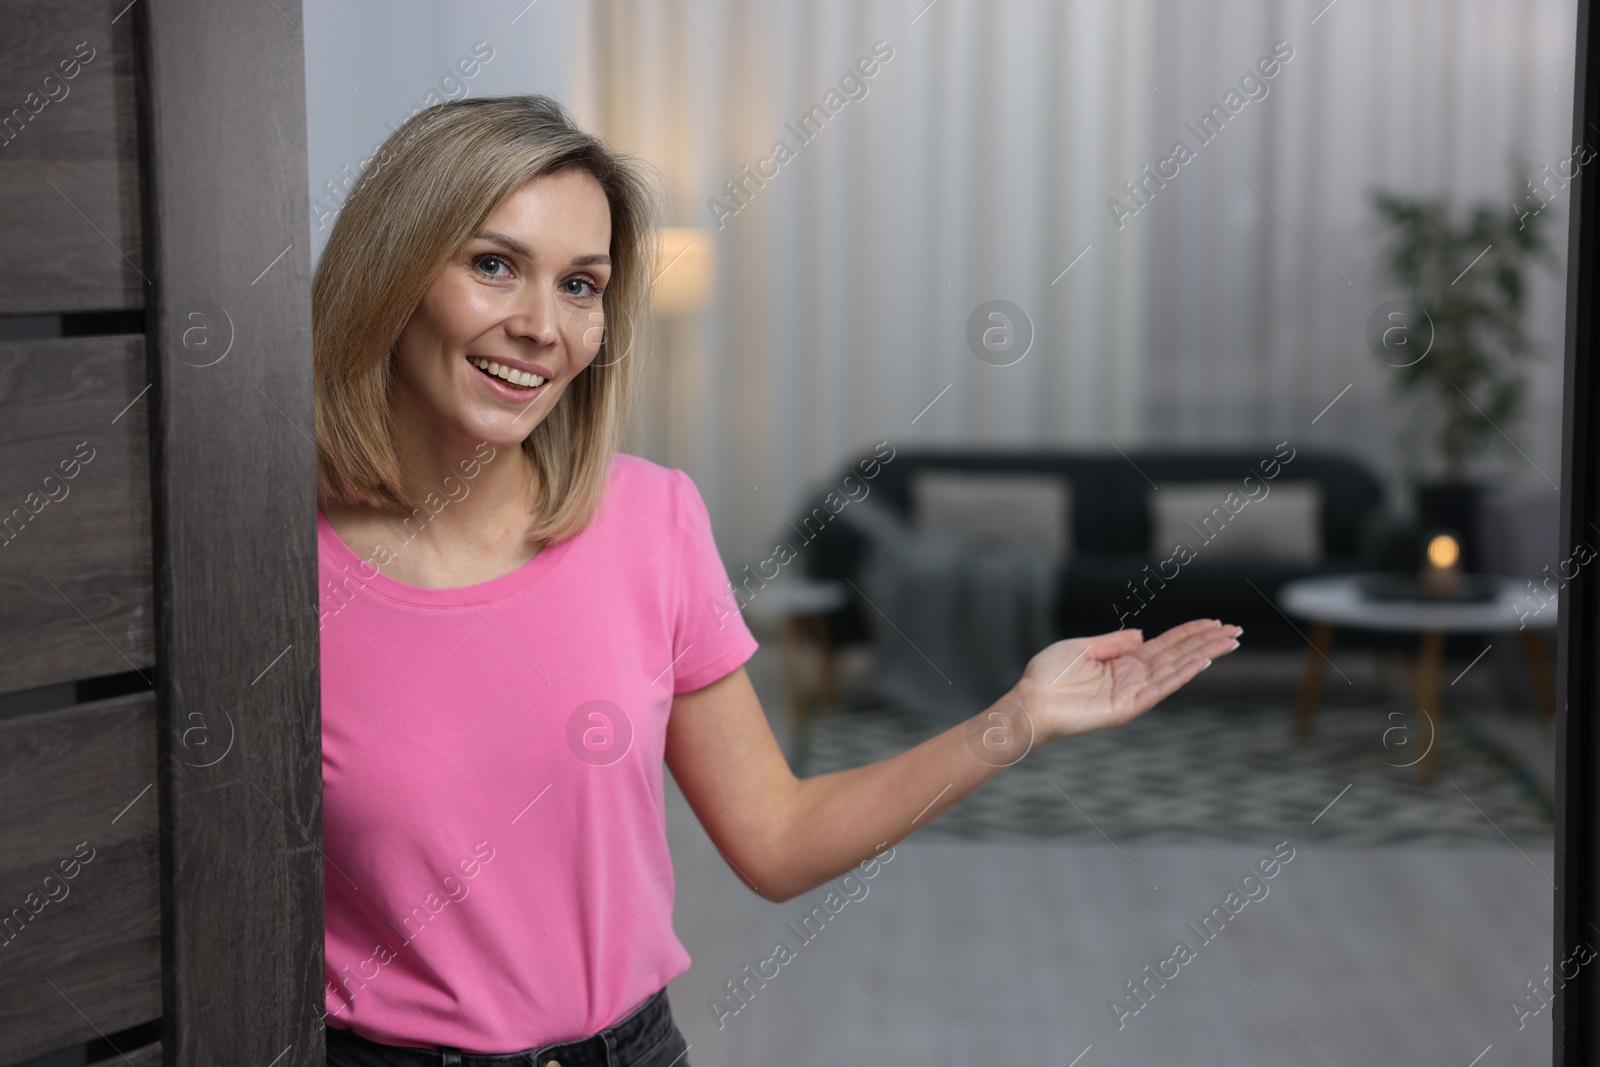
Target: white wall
x=370, y=64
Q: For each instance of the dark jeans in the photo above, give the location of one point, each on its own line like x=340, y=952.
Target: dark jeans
x=647, y=1038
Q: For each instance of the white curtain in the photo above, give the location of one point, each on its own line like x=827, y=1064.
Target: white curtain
x=978, y=166
x=1254, y=327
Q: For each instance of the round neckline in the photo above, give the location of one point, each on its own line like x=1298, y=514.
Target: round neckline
x=372, y=579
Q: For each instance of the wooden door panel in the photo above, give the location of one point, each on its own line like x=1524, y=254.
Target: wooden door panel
x=80, y=886
x=76, y=595
x=69, y=168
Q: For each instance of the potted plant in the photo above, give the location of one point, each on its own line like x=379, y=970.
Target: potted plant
x=1464, y=372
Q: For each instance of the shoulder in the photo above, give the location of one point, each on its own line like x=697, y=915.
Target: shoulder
x=634, y=475
x=626, y=465
x=640, y=489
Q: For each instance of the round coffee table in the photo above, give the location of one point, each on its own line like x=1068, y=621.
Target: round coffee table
x=1337, y=600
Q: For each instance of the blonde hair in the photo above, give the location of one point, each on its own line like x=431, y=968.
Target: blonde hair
x=426, y=191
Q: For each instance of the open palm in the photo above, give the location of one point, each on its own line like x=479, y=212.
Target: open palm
x=1085, y=684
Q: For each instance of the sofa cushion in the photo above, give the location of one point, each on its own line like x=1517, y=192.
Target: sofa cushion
x=1110, y=491
x=1026, y=509
x=1110, y=519
x=1219, y=520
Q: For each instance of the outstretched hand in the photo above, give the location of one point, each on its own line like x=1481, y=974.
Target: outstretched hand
x=1092, y=683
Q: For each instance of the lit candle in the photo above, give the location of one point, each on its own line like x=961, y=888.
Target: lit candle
x=1441, y=574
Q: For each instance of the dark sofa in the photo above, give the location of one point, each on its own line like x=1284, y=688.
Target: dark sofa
x=1111, y=531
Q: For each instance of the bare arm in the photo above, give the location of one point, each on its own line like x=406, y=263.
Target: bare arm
x=785, y=836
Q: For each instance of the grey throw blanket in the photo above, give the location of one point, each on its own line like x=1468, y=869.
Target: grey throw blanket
x=954, y=619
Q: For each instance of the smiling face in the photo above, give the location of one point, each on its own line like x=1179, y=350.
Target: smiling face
x=512, y=318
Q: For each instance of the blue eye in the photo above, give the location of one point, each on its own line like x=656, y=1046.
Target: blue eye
x=478, y=262
x=594, y=290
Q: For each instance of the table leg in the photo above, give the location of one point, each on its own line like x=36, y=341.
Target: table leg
x=827, y=689
x=794, y=676
x=1430, y=669
x=1311, y=681
x=1395, y=669
x=1544, y=686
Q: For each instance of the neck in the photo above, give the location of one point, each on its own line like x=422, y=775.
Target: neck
x=473, y=496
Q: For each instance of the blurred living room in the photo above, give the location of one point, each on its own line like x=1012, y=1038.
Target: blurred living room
x=981, y=325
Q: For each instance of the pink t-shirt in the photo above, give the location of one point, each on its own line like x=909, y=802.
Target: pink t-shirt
x=494, y=826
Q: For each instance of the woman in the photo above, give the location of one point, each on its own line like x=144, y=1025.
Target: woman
x=519, y=624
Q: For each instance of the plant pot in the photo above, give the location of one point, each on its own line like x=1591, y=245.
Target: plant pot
x=1452, y=507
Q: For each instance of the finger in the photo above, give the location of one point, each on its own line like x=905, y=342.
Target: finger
x=1213, y=646
x=1189, y=659
x=1115, y=643
x=1207, y=643
x=1198, y=628
x=1098, y=648
x=1183, y=632
x=1220, y=647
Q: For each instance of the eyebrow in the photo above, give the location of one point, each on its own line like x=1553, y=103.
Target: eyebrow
x=522, y=250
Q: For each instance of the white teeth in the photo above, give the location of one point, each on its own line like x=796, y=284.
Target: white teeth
x=515, y=377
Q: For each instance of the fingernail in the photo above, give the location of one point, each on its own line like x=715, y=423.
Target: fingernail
x=1233, y=646
x=1208, y=663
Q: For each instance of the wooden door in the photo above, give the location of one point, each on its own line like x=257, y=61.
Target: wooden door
x=160, y=866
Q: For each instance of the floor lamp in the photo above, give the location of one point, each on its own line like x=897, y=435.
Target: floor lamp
x=680, y=286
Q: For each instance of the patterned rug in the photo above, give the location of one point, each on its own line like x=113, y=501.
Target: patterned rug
x=1226, y=772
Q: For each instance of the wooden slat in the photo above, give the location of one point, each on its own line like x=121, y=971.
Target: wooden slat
x=235, y=503
x=69, y=182
x=148, y=1056
x=88, y=962
x=75, y=571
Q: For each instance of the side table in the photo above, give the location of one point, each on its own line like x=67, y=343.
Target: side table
x=1337, y=601
x=799, y=606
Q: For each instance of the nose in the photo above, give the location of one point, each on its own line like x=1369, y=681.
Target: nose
x=534, y=317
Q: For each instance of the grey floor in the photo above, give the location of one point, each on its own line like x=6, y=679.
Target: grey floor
x=965, y=953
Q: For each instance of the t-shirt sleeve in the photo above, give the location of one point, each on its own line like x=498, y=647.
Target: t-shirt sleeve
x=710, y=637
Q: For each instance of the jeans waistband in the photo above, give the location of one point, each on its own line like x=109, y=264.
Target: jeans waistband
x=616, y=1046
